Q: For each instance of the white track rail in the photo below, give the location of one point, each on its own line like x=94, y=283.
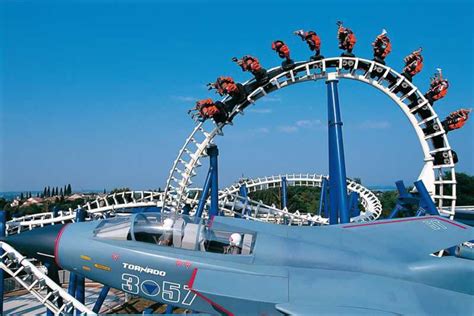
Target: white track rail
x=370, y=202
x=50, y=294
x=229, y=201
x=433, y=175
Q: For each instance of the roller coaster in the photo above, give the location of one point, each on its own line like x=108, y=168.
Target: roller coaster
x=179, y=196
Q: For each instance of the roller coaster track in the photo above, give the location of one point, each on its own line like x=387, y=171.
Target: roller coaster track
x=229, y=201
x=370, y=202
x=50, y=294
x=438, y=175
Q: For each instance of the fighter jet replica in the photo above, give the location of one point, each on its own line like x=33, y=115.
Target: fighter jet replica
x=233, y=266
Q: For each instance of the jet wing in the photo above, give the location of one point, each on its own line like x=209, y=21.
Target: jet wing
x=416, y=236
x=272, y=287
x=299, y=309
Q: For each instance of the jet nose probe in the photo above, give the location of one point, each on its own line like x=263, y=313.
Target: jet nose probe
x=38, y=243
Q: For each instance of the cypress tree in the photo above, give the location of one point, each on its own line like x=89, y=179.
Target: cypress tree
x=21, y=196
x=57, y=191
x=61, y=192
x=48, y=192
x=105, y=192
x=44, y=192
x=69, y=189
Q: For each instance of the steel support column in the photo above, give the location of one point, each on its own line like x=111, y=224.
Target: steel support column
x=100, y=300
x=80, y=280
x=284, y=193
x=339, y=211
x=213, y=152
x=425, y=199
x=3, y=219
x=244, y=192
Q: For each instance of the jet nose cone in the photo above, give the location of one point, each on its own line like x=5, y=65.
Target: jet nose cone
x=38, y=243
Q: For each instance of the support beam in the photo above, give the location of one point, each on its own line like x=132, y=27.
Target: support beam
x=213, y=152
x=204, y=196
x=3, y=219
x=323, y=199
x=284, y=193
x=100, y=300
x=244, y=192
x=354, y=204
x=425, y=199
x=80, y=280
x=339, y=211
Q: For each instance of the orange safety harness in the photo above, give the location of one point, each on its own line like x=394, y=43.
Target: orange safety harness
x=281, y=48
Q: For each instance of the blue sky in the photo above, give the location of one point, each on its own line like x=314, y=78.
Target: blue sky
x=95, y=93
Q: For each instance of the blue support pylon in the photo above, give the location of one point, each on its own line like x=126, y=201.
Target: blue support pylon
x=339, y=211
x=213, y=152
x=354, y=204
x=100, y=300
x=3, y=220
x=204, y=196
x=244, y=192
x=284, y=192
x=323, y=199
x=53, y=272
x=80, y=280
x=426, y=203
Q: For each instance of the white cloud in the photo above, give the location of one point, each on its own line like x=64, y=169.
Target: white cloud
x=261, y=111
x=374, y=125
x=288, y=129
x=308, y=123
x=270, y=99
x=263, y=130
x=184, y=98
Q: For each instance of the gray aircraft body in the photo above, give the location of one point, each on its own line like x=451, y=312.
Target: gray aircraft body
x=383, y=267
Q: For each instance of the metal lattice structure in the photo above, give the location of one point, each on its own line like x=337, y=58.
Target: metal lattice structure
x=404, y=93
x=229, y=201
x=35, y=281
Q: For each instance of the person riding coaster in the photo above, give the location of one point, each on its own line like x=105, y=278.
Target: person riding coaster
x=223, y=86
x=251, y=64
x=382, y=47
x=347, y=39
x=283, y=52
x=227, y=86
x=438, y=87
x=313, y=41
x=413, y=64
x=208, y=109
x=456, y=119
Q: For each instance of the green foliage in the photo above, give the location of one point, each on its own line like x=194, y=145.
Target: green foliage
x=304, y=199
x=464, y=188
x=118, y=190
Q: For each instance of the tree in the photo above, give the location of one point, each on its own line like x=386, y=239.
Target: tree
x=61, y=192
x=69, y=189
x=21, y=196
x=45, y=192
x=105, y=192
x=48, y=192
x=37, y=194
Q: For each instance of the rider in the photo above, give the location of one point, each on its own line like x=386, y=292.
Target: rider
x=209, y=109
x=347, y=39
x=166, y=239
x=234, y=247
x=456, y=119
x=382, y=47
x=251, y=64
x=224, y=85
x=413, y=64
x=284, y=52
x=313, y=41
x=438, y=87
